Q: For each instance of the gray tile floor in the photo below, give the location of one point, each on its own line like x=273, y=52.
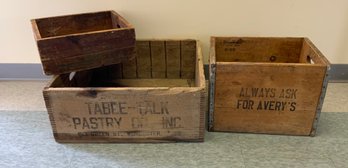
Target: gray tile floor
x=26, y=140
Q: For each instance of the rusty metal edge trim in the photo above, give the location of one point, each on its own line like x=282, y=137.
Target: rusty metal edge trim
x=212, y=75
x=321, y=102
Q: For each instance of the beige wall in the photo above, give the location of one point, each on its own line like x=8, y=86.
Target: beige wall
x=324, y=22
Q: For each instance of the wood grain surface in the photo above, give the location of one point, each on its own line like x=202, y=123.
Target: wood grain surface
x=253, y=94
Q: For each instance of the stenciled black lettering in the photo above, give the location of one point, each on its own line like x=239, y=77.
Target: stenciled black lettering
x=93, y=123
x=118, y=121
x=164, y=108
x=137, y=122
x=101, y=121
x=76, y=121
x=85, y=124
x=89, y=107
x=171, y=122
x=106, y=107
x=97, y=109
x=273, y=91
x=245, y=104
x=241, y=93
x=122, y=107
x=277, y=106
x=292, y=106
x=261, y=94
x=283, y=106
x=109, y=122
x=254, y=92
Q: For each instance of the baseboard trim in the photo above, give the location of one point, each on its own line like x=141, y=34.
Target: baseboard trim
x=338, y=73
x=13, y=71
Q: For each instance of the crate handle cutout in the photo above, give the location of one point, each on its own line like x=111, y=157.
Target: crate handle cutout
x=71, y=75
x=309, y=59
x=273, y=58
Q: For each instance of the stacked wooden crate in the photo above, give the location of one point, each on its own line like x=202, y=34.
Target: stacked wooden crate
x=266, y=85
x=151, y=90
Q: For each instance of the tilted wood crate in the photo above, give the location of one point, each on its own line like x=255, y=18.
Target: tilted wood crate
x=83, y=41
x=157, y=97
x=266, y=85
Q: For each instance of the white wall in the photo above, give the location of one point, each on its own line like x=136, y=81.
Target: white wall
x=324, y=22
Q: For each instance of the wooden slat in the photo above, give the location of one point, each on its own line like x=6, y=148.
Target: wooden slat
x=84, y=41
x=188, y=57
x=143, y=59
x=147, y=83
x=71, y=24
x=199, y=73
x=173, y=59
x=158, y=59
x=248, y=49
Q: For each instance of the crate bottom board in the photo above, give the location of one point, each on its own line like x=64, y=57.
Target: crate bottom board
x=66, y=138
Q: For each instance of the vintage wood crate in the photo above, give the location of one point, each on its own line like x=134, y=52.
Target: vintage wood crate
x=157, y=97
x=83, y=41
x=266, y=85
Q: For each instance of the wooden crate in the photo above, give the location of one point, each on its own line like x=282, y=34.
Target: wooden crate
x=157, y=97
x=266, y=85
x=83, y=41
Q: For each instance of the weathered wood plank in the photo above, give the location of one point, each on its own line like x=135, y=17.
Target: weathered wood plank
x=158, y=59
x=72, y=24
x=84, y=41
x=245, y=49
x=148, y=83
x=188, y=55
x=143, y=59
x=173, y=59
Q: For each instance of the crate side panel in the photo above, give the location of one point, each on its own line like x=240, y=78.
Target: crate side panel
x=311, y=54
x=119, y=115
x=267, y=98
x=70, y=24
x=74, y=53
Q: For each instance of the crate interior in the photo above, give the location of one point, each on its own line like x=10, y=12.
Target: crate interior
x=157, y=64
x=265, y=50
x=80, y=23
